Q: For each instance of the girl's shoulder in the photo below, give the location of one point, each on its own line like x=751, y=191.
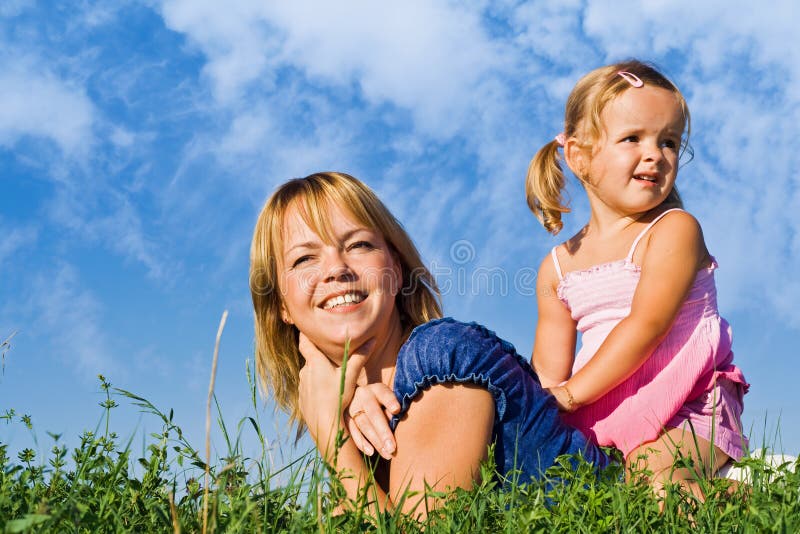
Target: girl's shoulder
x=675, y=226
x=672, y=232
x=671, y=214
x=550, y=266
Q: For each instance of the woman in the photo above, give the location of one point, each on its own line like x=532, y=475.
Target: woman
x=332, y=271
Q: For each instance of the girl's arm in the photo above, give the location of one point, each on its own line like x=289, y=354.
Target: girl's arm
x=554, y=347
x=675, y=251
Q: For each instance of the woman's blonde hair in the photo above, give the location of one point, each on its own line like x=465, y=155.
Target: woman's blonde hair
x=278, y=360
x=545, y=182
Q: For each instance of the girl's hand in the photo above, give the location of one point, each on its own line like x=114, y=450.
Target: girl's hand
x=564, y=400
x=319, y=392
x=368, y=417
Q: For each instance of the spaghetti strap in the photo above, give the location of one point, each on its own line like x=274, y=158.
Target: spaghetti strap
x=555, y=262
x=629, y=257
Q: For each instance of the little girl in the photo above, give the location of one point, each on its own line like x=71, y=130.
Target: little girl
x=654, y=374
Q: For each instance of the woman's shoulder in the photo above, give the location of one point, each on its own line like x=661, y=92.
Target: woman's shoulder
x=449, y=331
x=451, y=351
x=441, y=325
x=444, y=344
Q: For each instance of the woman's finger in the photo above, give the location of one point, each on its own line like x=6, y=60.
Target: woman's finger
x=363, y=419
x=380, y=414
x=358, y=439
x=368, y=413
x=386, y=397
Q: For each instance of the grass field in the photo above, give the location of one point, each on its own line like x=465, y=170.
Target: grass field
x=101, y=486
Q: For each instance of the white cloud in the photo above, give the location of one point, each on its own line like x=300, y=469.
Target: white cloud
x=67, y=314
x=122, y=137
x=234, y=37
x=749, y=192
x=95, y=213
x=709, y=33
x=279, y=149
x=548, y=29
x=35, y=102
x=14, y=239
x=427, y=57
x=11, y=8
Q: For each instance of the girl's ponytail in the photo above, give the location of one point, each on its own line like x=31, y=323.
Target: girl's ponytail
x=544, y=185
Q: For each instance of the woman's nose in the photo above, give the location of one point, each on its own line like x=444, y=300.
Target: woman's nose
x=334, y=265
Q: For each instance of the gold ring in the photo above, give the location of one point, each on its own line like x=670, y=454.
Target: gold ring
x=359, y=412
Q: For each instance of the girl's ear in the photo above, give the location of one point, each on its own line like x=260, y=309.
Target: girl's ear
x=576, y=157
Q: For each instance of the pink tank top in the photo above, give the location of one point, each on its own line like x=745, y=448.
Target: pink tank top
x=693, y=355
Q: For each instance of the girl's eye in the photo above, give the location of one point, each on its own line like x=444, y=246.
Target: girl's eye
x=669, y=143
x=630, y=139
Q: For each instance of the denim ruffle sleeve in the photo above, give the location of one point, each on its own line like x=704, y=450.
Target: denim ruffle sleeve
x=528, y=431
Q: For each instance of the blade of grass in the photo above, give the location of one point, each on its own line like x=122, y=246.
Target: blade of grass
x=208, y=419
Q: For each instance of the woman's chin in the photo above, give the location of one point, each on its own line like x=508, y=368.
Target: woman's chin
x=334, y=347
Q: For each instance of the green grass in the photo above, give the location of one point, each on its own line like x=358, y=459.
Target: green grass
x=102, y=486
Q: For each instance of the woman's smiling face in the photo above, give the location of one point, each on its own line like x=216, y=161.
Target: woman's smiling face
x=338, y=288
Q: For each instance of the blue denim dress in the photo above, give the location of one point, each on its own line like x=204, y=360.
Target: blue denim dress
x=528, y=432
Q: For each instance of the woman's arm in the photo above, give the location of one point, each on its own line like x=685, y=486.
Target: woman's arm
x=554, y=346
x=675, y=251
x=320, y=399
x=441, y=442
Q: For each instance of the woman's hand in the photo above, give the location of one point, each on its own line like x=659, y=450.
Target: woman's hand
x=320, y=394
x=368, y=417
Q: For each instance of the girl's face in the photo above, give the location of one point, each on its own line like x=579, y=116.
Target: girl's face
x=635, y=161
x=339, y=290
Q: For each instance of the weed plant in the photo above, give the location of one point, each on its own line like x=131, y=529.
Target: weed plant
x=102, y=486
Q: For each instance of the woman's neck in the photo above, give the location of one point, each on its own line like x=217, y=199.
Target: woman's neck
x=381, y=365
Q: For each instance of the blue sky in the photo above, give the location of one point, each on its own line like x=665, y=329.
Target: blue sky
x=138, y=140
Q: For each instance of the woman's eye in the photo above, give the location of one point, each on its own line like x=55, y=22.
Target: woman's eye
x=299, y=261
x=630, y=139
x=361, y=245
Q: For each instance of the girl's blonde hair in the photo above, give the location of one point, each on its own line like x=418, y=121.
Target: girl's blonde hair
x=278, y=360
x=545, y=182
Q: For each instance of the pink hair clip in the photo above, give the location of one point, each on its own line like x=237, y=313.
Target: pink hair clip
x=560, y=139
x=631, y=78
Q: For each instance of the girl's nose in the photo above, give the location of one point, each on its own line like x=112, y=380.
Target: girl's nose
x=652, y=152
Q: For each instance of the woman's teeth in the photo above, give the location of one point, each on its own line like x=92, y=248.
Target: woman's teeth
x=341, y=300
